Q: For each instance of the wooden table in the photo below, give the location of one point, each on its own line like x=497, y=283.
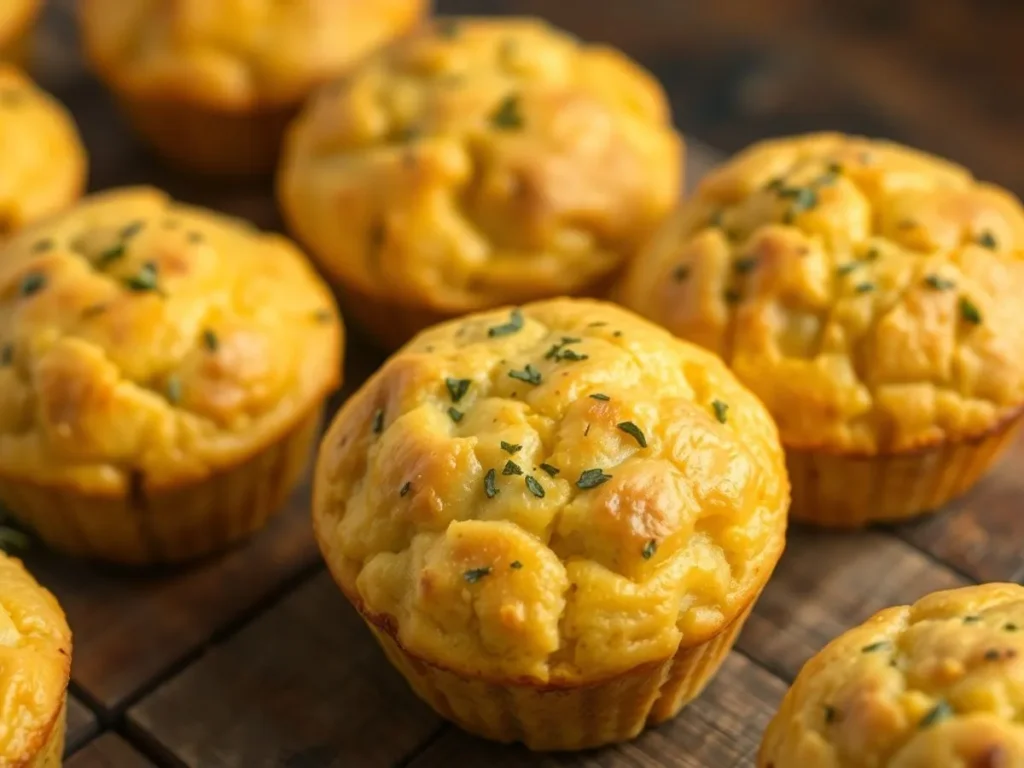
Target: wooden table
x=254, y=658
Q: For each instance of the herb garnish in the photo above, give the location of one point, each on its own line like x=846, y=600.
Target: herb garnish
x=515, y=323
x=145, y=280
x=507, y=116
x=721, y=410
x=559, y=351
x=550, y=469
x=865, y=287
x=457, y=388
x=745, y=265
x=939, y=712
x=323, y=315
x=987, y=240
x=830, y=714
x=455, y=414
x=378, y=421
x=511, y=447
x=600, y=396
x=11, y=539
x=111, y=255
x=511, y=468
x=6, y=355
x=633, y=431
x=880, y=645
x=529, y=374
x=847, y=268
x=969, y=311
x=489, y=488
x=591, y=478
x=972, y=619
x=732, y=296
x=93, y=309
x=473, y=575
x=405, y=489
x=174, y=389
x=992, y=655
x=649, y=549
x=516, y=565
x=32, y=283
x=680, y=273
x=211, y=340
x=42, y=245
x=1010, y=627
x=132, y=229
x=534, y=487
x=939, y=283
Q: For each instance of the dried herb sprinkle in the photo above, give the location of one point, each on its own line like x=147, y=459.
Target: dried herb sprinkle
x=550, y=469
x=473, y=575
x=680, y=273
x=174, y=389
x=529, y=374
x=455, y=414
x=508, y=116
x=146, y=279
x=939, y=283
x=378, y=421
x=969, y=311
x=936, y=714
x=511, y=468
x=515, y=565
x=633, y=431
x=591, y=478
x=534, y=487
x=649, y=549
x=721, y=410
x=514, y=324
x=457, y=388
x=511, y=448
x=600, y=396
x=879, y=646
x=489, y=480
x=405, y=489
x=32, y=283
x=987, y=240
x=210, y=340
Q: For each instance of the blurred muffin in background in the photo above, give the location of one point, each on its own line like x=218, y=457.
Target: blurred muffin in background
x=870, y=295
x=42, y=160
x=35, y=667
x=162, y=372
x=475, y=164
x=17, y=18
x=212, y=83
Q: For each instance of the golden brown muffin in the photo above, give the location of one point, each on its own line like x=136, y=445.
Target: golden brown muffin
x=162, y=370
x=869, y=294
x=42, y=161
x=17, y=18
x=213, y=83
x=35, y=665
x=939, y=684
x=555, y=519
x=479, y=163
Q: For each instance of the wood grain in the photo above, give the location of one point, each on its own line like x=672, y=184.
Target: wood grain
x=82, y=725
x=108, y=751
x=828, y=582
x=722, y=728
x=303, y=685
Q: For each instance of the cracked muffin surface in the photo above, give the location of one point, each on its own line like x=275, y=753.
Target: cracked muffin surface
x=478, y=163
x=557, y=494
x=939, y=684
x=866, y=292
x=143, y=336
x=35, y=665
x=42, y=161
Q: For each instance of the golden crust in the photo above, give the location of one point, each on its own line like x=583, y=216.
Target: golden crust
x=931, y=685
x=868, y=293
x=235, y=56
x=139, y=335
x=478, y=163
x=43, y=162
x=35, y=665
x=450, y=498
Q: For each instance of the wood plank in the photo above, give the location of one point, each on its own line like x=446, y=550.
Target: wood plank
x=980, y=534
x=108, y=751
x=82, y=725
x=302, y=683
x=722, y=728
x=829, y=582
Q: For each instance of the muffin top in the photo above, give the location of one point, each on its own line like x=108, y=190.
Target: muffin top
x=15, y=15
x=481, y=162
x=934, y=685
x=42, y=162
x=868, y=293
x=550, y=494
x=35, y=663
x=236, y=54
x=142, y=336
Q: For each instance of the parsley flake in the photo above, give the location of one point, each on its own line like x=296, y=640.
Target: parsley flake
x=145, y=280
x=6, y=355
x=489, y=480
x=936, y=714
x=457, y=388
x=32, y=283
x=1010, y=627
x=455, y=414
x=473, y=575
x=405, y=489
x=174, y=389
x=378, y=421
x=600, y=396
x=969, y=311
x=534, y=487
x=649, y=549
x=844, y=269
x=744, y=265
x=680, y=273
x=529, y=374
x=39, y=246
x=511, y=468
x=939, y=283
x=830, y=714
x=131, y=230
x=972, y=619
x=112, y=254
x=879, y=646
x=865, y=287
x=633, y=431
x=211, y=340
x=514, y=324
x=507, y=116
x=721, y=410
x=987, y=240
x=515, y=565
x=550, y=469
x=591, y=478
x=511, y=448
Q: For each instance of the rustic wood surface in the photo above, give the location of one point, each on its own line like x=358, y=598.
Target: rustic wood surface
x=254, y=658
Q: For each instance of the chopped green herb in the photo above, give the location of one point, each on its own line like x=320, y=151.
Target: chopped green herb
x=649, y=549
x=12, y=540
x=550, y=469
x=323, y=316
x=378, y=421
x=511, y=468
x=721, y=410
x=174, y=389
x=597, y=324
x=145, y=280
x=515, y=565
x=617, y=334
x=571, y=355
x=132, y=229
x=32, y=283
x=473, y=575
x=511, y=447
x=405, y=489
x=776, y=184
x=833, y=172
x=680, y=273
x=93, y=309
x=872, y=254
x=969, y=311
x=1010, y=627
x=845, y=269
x=830, y=714
x=936, y=714
x=6, y=355
x=514, y=324
x=529, y=374
x=732, y=296
x=865, y=287
x=987, y=240
x=457, y=388
x=992, y=655
x=507, y=115
x=879, y=646
x=600, y=396
x=939, y=283
x=745, y=265
x=591, y=478
x=112, y=254
x=39, y=246
x=489, y=480
x=455, y=414
x=972, y=619
x=211, y=340
x=534, y=487
x=633, y=431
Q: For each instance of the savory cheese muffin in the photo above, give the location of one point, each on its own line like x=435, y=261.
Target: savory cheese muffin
x=939, y=684
x=213, y=83
x=555, y=519
x=869, y=294
x=162, y=370
x=17, y=18
x=476, y=164
x=42, y=161
x=35, y=666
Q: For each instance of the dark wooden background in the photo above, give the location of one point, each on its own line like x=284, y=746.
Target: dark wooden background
x=254, y=659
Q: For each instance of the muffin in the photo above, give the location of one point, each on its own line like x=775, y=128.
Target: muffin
x=42, y=161
x=933, y=685
x=554, y=519
x=35, y=664
x=162, y=371
x=213, y=83
x=476, y=164
x=869, y=294
x=17, y=18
